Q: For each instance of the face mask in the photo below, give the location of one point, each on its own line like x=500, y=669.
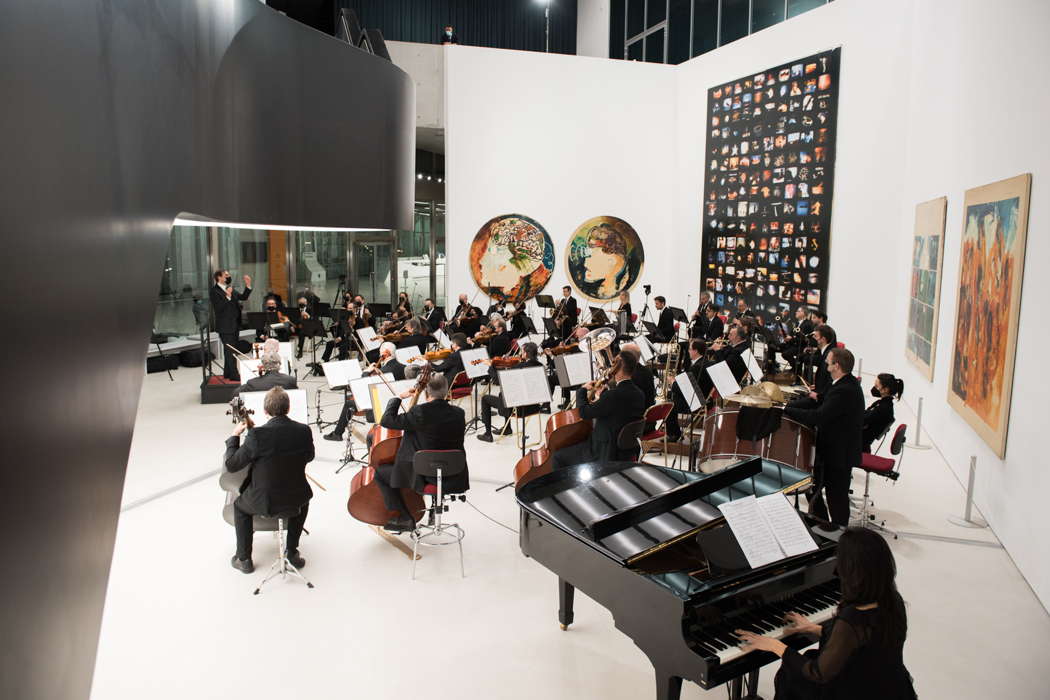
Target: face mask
x=228, y=279
x=302, y=306
x=271, y=309
x=876, y=393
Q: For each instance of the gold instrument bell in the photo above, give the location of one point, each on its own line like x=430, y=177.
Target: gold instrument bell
x=761, y=395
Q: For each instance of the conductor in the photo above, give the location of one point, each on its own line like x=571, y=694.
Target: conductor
x=226, y=308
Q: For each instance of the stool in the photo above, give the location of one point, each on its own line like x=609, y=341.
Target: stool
x=884, y=467
x=438, y=465
x=282, y=566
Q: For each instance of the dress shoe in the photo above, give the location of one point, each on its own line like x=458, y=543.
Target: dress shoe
x=334, y=436
x=245, y=566
x=508, y=429
x=401, y=523
x=485, y=437
x=295, y=559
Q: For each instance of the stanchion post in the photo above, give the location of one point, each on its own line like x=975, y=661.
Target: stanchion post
x=917, y=445
x=967, y=519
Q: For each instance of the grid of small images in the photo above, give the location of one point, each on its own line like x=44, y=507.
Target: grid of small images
x=769, y=177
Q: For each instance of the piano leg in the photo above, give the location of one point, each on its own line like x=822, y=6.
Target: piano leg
x=668, y=687
x=745, y=687
x=565, y=596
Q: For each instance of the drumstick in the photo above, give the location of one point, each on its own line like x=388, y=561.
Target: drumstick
x=804, y=382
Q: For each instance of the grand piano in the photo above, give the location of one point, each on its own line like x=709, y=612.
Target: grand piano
x=650, y=544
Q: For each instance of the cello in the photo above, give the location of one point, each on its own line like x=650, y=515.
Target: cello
x=366, y=500
x=564, y=428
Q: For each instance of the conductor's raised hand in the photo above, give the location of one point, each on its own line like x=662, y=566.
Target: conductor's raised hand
x=248, y=281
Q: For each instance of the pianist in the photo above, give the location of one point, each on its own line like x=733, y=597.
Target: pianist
x=861, y=652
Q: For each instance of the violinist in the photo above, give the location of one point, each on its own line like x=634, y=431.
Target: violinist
x=431, y=425
x=362, y=314
x=566, y=313
x=433, y=316
x=304, y=315
x=516, y=318
x=270, y=375
x=499, y=306
x=463, y=319
x=417, y=336
x=497, y=339
x=404, y=304
x=453, y=364
x=386, y=363
x=277, y=454
x=619, y=402
x=274, y=316
x=491, y=401
x=341, y=331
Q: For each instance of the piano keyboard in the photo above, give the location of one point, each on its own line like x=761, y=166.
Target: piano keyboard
x=817, y=604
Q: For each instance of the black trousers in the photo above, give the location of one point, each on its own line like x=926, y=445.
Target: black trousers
x=343, y=346
x=244, y=526
x=488, y=403
x=391, y=496
x=572, y=455
x=831, y=482
x=229, y=360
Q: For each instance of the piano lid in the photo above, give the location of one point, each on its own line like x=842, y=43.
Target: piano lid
x=629, y=510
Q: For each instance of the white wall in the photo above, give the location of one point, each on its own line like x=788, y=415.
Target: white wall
x=560, y=139
x=425, y=64
x=592, y=28
x=936, y=96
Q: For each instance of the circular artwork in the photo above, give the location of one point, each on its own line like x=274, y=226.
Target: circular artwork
x=511, y=258
x=604, y=257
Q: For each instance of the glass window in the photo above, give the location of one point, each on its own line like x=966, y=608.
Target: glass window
x=766, y=13
x=184, y=283
x=797, y=7
x=705, y=26
x=635, y=17
x=372, y=268
x=616, y=29
x=319, y=262
x=247, y=252
x=656, y=12
x=654, y=47
x=634, y=51
x=439, y=255
x=678, y=31
x=734, y=20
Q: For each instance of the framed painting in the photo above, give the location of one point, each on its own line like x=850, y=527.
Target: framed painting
x=924, y=299
x=991, y=268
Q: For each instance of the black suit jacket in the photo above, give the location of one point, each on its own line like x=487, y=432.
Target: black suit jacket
x=499, y=345
x=265, y=382
x=822, y=380
x=665, y=325
x=615, y=408
x=417, y=340
x=643, y=377
x=435, y=318
x=227, y=311
x=395, y=368
x=277, y=454
x=839, y=420
x=715, y=328
x=877, y=418
x=450, y=366
x=434, y=425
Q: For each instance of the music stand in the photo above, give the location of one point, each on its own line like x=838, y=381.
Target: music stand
x=678, y=315
x=545, y=301
x=650, y=328
x=313, y=328
x=523, y=388
x=598, y=316
x=528, y=325
x=549, y=327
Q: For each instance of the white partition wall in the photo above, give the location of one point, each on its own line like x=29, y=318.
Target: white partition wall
x=936, y=96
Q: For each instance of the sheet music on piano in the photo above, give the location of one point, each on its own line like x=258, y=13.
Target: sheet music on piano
x=767, y=529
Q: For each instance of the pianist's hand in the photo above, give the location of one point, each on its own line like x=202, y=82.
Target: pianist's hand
x=750, y=640
x=801, y=624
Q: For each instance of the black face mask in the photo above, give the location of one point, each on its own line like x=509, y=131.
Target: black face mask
x=228, y=279
x=875, y=392
x=302, y=306
x=271, y=309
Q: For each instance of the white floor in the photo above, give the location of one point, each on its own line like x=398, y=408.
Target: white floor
x=180, y=622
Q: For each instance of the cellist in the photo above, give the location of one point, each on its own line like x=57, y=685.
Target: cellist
x=434, y=424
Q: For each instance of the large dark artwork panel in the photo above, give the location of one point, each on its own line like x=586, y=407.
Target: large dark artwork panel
x=769, y=180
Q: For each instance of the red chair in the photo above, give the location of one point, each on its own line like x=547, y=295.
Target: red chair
x=656, y=416
x=840, y=344
x=886, y=468
x=634, y=318
x=514, y=346
x=461, y=387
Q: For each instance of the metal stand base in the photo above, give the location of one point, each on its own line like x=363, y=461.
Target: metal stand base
x=963, y=522
x=437, y=534
x=282, y=567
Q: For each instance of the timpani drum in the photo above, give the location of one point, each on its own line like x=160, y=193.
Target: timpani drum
x=793, y=444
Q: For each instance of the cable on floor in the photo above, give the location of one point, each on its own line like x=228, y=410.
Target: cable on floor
x=505, y=527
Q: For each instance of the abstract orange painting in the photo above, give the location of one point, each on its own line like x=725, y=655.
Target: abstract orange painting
x=991, y=267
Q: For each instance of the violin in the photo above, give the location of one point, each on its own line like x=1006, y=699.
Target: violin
x=485, y=336
x=564, y=428
x=562, y=349
x=498, y=362
x=366, y=500
x=432, y=356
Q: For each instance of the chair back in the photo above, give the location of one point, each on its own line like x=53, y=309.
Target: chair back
x=897, y=443
x=460, y=380
x=634, y=318
x=658, y=412
x=627, y=440
x=426, y=463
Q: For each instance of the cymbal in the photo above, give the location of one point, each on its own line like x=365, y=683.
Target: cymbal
x=750, y=400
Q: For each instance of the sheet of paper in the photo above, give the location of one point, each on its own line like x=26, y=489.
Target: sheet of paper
x=723, y=379
x=380, y=395
x=791, y=533
x=285, y=350
x=646, y=348
x=752, y=532
x=407, y=356
x=685, y=385
x=443, y=339
x=475, y=370
x=249, y=369
x=369, y=340
x=753, y=368
x=536, y=338
x=359, y=389
x=524, y=387
x=253, y=400
x=578, y=368
x=341, y=372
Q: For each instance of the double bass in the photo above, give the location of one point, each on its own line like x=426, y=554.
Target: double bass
x=564, y=428
x=366, y=500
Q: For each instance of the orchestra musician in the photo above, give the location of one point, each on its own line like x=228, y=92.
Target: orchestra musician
x=625, y=305
x=619, y=402
x=861, y=652
x=516, y=318
x=270, y=375
x=839, y=418
x=696, y=368
x=434, y=316
x=665, y=330
x=432, y=425
x=798, y=337
x=743, y=310
x=499, y=340
x=386, y=363
x=498, y=306
x=341, y=331
x=275, y=315
x=642, y=376
x=362, y=314
x=277, y=454
x=404, y=303
x=714, y=328
x=417, y=336
x=736, y=344
x=878, y=417
x=566, y=312
x=226, y=309
x=826, y=340
x=465, y=317
x=453, y=364
x=492, y=402
x=698, y=329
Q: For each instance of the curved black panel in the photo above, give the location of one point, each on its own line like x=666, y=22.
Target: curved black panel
x=118, y=115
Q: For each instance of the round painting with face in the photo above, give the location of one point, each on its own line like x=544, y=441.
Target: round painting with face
x=604, y=257
x=512, y=258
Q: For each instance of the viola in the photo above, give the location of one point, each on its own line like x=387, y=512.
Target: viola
x=432, y=356
x=562, y=349
x=564, y=428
